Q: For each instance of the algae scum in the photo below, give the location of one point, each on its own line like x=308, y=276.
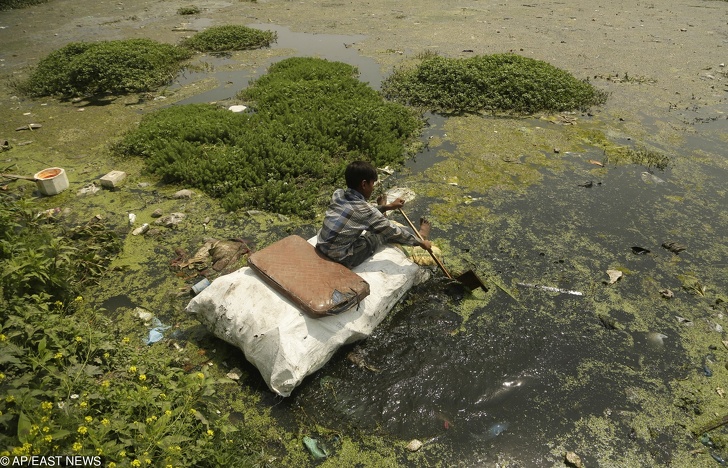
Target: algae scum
x=528, y=370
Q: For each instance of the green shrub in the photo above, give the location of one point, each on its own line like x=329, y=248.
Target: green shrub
x=229, y=37
x=10, y=4
x=491, y=83
x=310, y=118
x=116, y=67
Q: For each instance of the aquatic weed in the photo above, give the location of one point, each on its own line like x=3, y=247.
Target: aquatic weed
x=490, y=83
x=229, y=37
x=106, y=67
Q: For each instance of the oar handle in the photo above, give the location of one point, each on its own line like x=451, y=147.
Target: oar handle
x=419, y=236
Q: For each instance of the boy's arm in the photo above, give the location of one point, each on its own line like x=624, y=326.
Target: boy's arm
x=383, y=208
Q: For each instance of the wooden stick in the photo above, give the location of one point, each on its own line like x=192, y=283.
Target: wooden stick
x=715, y=424
x=13, y=176
x=419, y=236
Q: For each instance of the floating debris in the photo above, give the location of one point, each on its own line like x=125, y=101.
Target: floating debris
x=140, y=230
x=358, y=359
x=89, y=189
x=414, y=445
x=573, y=460
x=614, y=276
x=551, y=289
x=170, y=220
x=588, y=184
x=317, y=451
x=684, y=321
x=234, y=374
x=651, y=178
x=667, y=294
x=596, y=163
x=30, y=126
x=673, y=247
x=640, y=251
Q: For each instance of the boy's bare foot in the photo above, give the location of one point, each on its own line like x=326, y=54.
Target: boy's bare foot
x=425, y=227
x=381, y=199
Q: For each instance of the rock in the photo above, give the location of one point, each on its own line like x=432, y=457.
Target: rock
x=666, y=293
x=673, y=247
x=184, y=193
x=614, y=276
x=140, y=230
x=157, y=213
x=234, y=374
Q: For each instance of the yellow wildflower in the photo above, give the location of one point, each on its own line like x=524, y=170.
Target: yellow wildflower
x=142, y=377
x=83, y=404
x=105, y=422
x=210, y=433
x=46, y=429
x=48, y=438
x=58, y=355
x=200, y=375
x=77, y=446
x=82, y=430
x=9, y=399
x=125, y=340
x=122, y=454
x=2, y=376
x=136, y=462
x=3, y=337
x=105, y=384
x=106, y=355
x=168, y=412
x=79, y=299
x=88, y=419
x=45, y=419
x=112, y=465
x=162, y=396
x=132, y=369
x=79, y=339
x=47, y=405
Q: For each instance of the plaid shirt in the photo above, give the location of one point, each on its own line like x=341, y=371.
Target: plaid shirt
x=348, y=215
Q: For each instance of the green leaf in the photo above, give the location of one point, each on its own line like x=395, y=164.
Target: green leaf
x=23, y=427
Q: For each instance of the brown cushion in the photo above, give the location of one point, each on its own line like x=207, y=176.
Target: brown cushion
x=316, y=284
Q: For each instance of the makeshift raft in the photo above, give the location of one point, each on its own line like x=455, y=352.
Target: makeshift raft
x=274, y=333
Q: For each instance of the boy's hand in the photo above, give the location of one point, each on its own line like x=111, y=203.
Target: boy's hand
x=396, y=204
x=425, y=244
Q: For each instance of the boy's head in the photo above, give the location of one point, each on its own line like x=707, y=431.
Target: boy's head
x=361, y=176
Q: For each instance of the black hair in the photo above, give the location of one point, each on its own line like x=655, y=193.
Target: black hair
x=358, y=171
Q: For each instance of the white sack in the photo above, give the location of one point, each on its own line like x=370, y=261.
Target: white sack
x=285, y=344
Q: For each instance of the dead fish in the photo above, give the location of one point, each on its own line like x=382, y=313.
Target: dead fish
x=360, y=362
x=674, y=247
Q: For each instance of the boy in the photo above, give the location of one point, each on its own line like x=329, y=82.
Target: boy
x=349, y=214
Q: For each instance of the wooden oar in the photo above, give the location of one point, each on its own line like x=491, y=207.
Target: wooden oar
x=14, y=176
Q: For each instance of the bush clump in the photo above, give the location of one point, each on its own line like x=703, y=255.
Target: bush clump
x=310, y=118
x=506, y=83
x=188, y=10
x=10, y=4
x=229, y=37
x=106, y=67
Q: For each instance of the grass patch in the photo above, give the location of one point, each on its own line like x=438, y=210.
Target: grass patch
x=106, y=67
x=499, y=83
x=229, y=37
x=311, y=118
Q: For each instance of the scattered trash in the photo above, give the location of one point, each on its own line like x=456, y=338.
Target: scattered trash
x=640, y=251
x=113, y=179
x=234, y=374
x=573, y=460
x=170, y=220
x=30, y=126
x=666, y=293
x=5, y=146
x=236, y=109
x=132, y=219
x=614, y=276
x=656, y=339
x=651, y=178
x=89, y=189
x=140, y=230
x=673, y=247
x=551, y=289
x=707, y=371
x=317, y=451
x=51, y=181
x=358, y=359
x=596, y=163
x=684, y=321
x=156, y=333
x=198, y=287
x=496, y=429
x=588, y=184
x=414, y=445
